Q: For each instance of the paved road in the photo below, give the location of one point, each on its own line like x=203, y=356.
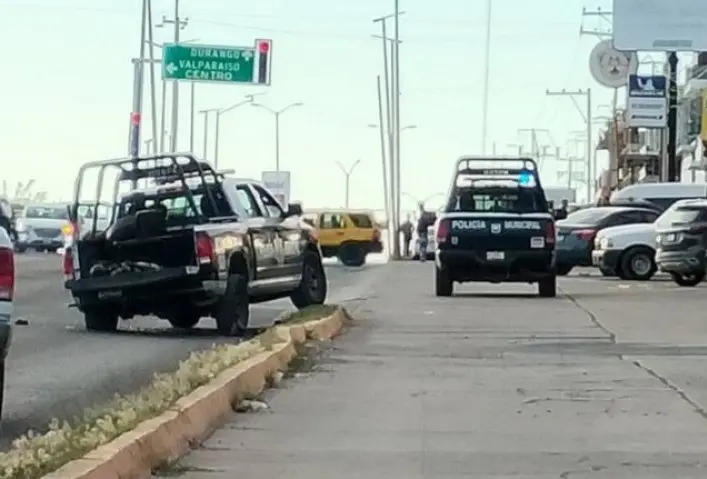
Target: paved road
x=606, y=381
x=55, y=368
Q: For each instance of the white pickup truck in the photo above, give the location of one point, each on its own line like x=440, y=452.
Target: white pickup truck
x=626, y=251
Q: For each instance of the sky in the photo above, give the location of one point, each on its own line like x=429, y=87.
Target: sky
x=67, y=92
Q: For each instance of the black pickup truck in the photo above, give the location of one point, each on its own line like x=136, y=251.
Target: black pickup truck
x=496, y=227
x=190, y=243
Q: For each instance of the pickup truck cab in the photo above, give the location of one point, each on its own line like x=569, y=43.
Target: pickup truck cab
x=192, y=243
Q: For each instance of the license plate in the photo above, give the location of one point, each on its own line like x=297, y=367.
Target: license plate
x=560, y=237
x=495, y=255
x=110, y=294
x=537, y=242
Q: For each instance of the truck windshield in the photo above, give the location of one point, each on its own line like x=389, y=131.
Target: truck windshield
x=498, y=200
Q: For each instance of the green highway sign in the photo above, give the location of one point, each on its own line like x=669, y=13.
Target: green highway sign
x=220, y=64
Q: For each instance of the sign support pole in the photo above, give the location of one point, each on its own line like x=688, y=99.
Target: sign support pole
x=673, y=167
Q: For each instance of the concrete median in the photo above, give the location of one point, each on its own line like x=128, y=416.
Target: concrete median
x=187, y=420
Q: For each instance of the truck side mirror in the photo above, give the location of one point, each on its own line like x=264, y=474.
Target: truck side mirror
x=294, y=209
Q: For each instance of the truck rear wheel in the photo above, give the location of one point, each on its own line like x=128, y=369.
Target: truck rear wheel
x=101, y=319
x=547, y=287
x=444, y=286
x=233, y=309
x=313, y=287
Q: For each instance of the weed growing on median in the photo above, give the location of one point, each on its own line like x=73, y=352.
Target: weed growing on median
x=34, y=455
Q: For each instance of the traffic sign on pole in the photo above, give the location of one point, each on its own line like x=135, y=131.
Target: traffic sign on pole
x=213, y=63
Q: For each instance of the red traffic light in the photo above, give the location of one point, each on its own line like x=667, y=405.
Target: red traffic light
x=264, y=47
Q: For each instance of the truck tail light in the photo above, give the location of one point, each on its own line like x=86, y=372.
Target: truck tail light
x=7, y=274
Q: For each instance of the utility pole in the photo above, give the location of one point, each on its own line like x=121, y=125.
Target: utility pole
x=392, y=95
x=347, y=179
x=138, y=76
x=487, y=76
x=179, y=24
x=604, y=15
x=673, y=167
x=396, y=110
x=587, y=117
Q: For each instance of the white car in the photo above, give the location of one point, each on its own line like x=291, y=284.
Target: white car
x=626, y=251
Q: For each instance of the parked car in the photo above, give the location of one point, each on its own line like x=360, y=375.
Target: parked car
x=577, y=233
x=682, y=242
x=628, y=251
x=42, y=227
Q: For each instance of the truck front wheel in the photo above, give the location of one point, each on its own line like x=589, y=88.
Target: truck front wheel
x=100, y=319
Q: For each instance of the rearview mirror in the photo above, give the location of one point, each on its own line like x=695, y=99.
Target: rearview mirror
x=294, y=209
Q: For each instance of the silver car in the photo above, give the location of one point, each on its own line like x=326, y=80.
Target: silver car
x=41, y=227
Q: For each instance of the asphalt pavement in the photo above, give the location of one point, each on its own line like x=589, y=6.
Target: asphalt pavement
x=56, y=368
x=606, y=381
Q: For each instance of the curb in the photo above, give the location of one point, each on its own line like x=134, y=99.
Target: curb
x=192, y=418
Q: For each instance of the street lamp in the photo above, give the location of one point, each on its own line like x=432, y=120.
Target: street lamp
x=408, y=127
x=347, y=178
x=206, y=130
x=249, y=99
x=276, y=114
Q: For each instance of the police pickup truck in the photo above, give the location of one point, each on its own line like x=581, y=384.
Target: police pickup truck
x=496, y=227
x=186, y=242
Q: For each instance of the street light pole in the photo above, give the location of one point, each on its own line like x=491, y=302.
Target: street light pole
x=347, y=179
x=206, y=130
x=276, y=114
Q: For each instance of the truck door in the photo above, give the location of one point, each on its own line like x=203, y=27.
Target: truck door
x=288, y=236
x=262, y=235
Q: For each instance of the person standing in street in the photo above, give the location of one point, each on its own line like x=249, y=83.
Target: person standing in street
x=406, y=230
x=425, y=220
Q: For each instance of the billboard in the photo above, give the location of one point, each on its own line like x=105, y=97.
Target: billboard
x=660, y=25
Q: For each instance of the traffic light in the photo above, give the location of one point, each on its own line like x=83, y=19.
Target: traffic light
x=264, y=48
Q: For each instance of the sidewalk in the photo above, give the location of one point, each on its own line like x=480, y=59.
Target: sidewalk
x=467, y=387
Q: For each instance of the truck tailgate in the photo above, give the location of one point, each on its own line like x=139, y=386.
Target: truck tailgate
x=126, y=280
x=502, y=232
